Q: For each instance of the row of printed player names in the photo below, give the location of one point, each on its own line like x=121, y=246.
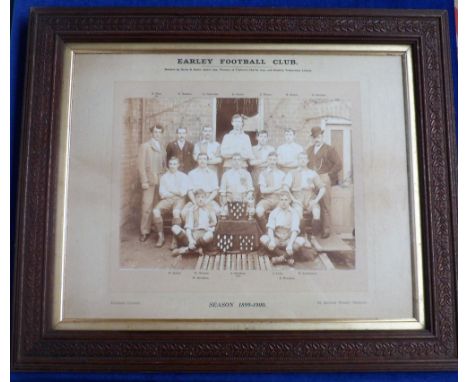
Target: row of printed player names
x=238, y=94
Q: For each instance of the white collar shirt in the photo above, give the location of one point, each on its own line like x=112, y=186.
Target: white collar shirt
x=236, y=181
x=181, y=144
x=210, y=148
x=271, y=177
x=317, y=148
x=200, y=218
x=261, y=152
x=288, y=219
x=204, y=179
x=173, y=182
x=303, y=179
x=288, y=152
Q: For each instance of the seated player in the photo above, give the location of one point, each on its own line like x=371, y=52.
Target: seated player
x=288, y=151
x=199, y=227
x=236, y=186
x=270, y=182
x=203, y=178
x=282, y=240
x=307, y=189
x=172, y=190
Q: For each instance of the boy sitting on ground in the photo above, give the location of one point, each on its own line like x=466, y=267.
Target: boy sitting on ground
x=199, y=227
x=282, y=240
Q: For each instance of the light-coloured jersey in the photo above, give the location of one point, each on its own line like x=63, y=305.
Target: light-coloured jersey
x=233, y=143
x=204, y=179
x=271, y=178
x=200, y=218
x=288, y=153
x=173, y=182
x=210, y=148
x=236, y=181
x=288, y=219
x=303, y=179
x=261, y=153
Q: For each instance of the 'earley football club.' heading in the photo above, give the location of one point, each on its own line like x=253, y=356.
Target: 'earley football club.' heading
x=235, y=61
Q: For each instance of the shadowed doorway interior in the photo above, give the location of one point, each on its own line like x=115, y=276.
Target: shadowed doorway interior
x=227, y=107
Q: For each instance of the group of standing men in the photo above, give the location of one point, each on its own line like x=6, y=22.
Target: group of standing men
x=282, y=182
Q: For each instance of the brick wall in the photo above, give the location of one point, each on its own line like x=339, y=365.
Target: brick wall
x=299, y=114
x=172, y=113
x=132, y=138
x=139, y=115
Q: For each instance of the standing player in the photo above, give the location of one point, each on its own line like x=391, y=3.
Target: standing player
x=288, y=152
x=211, y=148
x=236, y=142
x=151, y=164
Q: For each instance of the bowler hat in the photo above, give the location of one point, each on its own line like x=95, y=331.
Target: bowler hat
x=316, y=131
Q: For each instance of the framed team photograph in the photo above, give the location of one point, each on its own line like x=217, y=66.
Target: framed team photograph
x=198, y=186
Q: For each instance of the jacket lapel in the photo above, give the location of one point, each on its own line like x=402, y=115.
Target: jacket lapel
x=154, y=146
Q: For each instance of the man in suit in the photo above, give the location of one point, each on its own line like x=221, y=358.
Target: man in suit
x=151, y=164
x=325, y=161
x=182, y=149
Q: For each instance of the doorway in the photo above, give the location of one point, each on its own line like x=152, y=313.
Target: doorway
x=227, y=107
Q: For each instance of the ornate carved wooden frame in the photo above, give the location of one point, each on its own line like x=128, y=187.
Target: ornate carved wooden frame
x=37, y=346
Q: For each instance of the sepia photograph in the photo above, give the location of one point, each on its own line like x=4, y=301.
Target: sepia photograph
x=238, y=185
x=220, y=189
x=264, y=184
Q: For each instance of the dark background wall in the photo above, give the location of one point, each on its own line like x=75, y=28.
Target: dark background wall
x=17, y=60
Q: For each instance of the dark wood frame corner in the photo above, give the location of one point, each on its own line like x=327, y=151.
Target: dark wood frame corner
x=35, y=346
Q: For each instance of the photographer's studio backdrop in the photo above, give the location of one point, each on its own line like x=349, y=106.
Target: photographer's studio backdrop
x=337, y=132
